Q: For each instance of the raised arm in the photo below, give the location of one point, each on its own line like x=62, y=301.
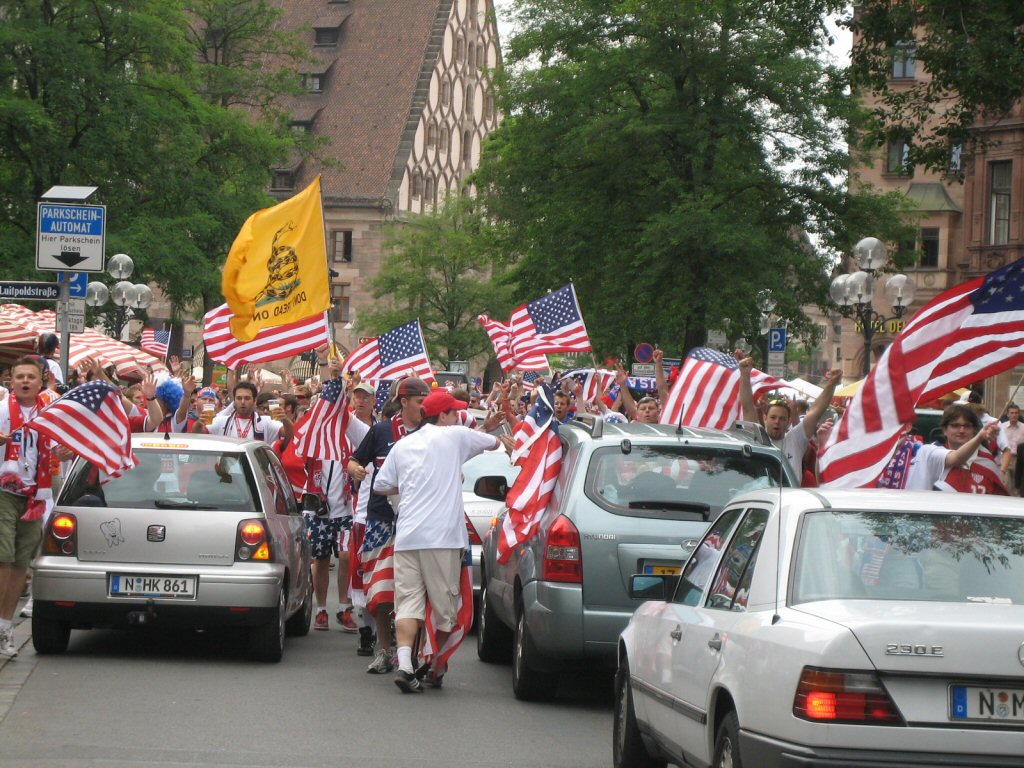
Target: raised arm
x=746, y=389
x=816, y=411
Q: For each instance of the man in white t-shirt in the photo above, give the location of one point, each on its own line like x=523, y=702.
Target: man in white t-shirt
x=242, y=420
x=425, y=469
x=778, y=417
x=1011, y=434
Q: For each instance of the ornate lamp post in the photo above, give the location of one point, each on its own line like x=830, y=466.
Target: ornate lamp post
x=128, y=297
x=854, y=293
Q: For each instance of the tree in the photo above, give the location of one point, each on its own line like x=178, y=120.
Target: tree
x=441, y=269
x=968, y=59
x=671, y=158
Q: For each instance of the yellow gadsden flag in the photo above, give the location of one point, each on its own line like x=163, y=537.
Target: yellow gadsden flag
x=276, y=272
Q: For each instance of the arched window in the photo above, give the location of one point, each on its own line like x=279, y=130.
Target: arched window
x=442, y=139
x=428, y=190
x=431, y=134
x=467, y=146
x=469, y=100
x=417, y=184
x=472, y=54
x=460, y=50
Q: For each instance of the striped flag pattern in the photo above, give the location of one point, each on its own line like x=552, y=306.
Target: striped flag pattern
x=378, y=559
x=322, y=435
x=538, y=453
x=89, y=421
x=595, y=381
x=275, y=343
x=970, y=332
x=500, y=335
x=553, y=323
x=463, y=621
x=707, y=391
x=155, y=342
x=391, y=355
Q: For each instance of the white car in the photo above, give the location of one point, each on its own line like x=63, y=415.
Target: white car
x=838, y=628
x=481, y=510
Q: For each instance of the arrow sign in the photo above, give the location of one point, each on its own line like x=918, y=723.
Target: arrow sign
x=70, y=258
x=77, y=282
x=70, y=236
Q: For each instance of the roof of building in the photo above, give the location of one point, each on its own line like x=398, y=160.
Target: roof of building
x=369, y=91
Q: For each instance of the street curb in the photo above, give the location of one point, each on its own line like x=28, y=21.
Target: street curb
x=22, y=639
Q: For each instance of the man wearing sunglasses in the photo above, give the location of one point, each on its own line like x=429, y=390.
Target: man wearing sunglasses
x=963, y=464
x=778, y=416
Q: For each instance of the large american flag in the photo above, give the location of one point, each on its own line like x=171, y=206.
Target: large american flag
x=378, y=559
x=500, y=335
x=970, y=332
x=538, y=453
x=90, y=422
x=553, y=323
x=390, y=355
x=275, y=343
x=322, y=435
x=707, y=391
x=463, y=622
x=155, y=342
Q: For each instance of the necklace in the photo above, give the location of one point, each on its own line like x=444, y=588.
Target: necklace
x=238, y=427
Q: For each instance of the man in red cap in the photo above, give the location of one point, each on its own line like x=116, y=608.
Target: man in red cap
x=376, y=553
x=425, y=470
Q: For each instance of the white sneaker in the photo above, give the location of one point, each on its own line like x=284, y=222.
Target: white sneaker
x=7, y=646
x=26, y=612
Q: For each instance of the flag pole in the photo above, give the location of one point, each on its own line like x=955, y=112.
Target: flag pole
x=1020, y=382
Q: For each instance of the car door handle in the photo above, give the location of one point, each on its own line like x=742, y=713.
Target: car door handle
x=676, y=634
x=715, y=643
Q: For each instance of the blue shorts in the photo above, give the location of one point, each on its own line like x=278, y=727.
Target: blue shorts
x=323, y=535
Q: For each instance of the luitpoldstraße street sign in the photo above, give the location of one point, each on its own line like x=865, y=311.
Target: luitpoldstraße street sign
x=29, y=291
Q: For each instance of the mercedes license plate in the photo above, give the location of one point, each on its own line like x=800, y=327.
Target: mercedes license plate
x=990, y=704
x=123, y=585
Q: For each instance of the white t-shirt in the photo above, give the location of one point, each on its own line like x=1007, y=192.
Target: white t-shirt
x=426, y=467
x=30, y=450
x=333, y=479
x=255, y=427
x=54, y=368
x=1010, y=436
x=927, y=468
x=794, y=444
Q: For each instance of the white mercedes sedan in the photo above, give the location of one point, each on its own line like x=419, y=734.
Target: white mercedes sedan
x=832, y=628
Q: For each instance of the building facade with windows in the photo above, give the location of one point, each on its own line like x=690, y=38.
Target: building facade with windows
x=968, y=223
x=401, y=89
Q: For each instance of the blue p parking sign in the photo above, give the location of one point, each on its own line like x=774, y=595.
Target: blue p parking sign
x=777, y=340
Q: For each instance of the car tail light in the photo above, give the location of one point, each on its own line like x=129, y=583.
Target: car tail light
x=61, y=535
x=563, y=558
x=251, y=542
x=833, y=696
x=474, y=537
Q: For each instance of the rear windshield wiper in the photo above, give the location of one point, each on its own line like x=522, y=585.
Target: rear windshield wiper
x=681, y=506
x=165, y=504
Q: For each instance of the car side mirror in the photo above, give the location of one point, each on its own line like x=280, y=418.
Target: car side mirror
x=645, y=586
x=491, y=487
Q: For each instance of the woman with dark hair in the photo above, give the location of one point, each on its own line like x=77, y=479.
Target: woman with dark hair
x=962, y=464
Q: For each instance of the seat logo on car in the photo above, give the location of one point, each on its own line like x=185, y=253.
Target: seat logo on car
x=156, y=533
x=908, y=649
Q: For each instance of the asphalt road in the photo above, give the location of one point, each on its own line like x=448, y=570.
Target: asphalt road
x=188, y=699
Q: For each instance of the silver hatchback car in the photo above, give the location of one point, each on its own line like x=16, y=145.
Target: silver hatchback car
x=204, y=532
x=631, y=498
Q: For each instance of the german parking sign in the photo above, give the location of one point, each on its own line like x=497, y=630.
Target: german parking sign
x=777, y=340
x=70, y=237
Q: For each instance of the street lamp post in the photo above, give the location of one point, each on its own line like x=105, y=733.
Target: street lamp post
x=854, y=293
x=128, y=297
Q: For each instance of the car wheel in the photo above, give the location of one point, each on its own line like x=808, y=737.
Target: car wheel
x=527, y=683
x=493, y=639
x=628, y=750
x=727, y=743
x=298, y=624
x=266, y=642
x=50, y=636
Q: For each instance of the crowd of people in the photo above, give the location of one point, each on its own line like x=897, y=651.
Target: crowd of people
x=389, y=511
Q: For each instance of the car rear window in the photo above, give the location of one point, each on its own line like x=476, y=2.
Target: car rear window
x=904, y=556
x=167, y=479
x=677, y=482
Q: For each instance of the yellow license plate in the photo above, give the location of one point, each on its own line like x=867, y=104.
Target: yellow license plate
x=663, y=570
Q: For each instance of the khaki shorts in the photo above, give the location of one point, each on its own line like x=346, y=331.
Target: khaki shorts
x=19, y=540
x=428, y=574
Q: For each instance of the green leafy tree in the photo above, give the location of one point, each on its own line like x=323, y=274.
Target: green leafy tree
x=442, y=270
x=968, y=59
x=672, y=158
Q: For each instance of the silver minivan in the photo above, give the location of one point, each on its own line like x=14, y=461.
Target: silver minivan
x=203, y=532
x=631, y=498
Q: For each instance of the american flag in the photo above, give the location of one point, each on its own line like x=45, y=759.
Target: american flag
x=383, y=394
x=553, y=323
x=538, y=453
x=322, y=435
x=378, y=559
x=707, y=391
x=595, y=381
x=155, y=342
x=401, y=350
x=970, y=332
x=500, y=335
x=275, y=343
x=530, y=381
x=90, y=421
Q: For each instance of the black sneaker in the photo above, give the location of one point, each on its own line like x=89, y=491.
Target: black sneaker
x=365, y=642
x=407, y=682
